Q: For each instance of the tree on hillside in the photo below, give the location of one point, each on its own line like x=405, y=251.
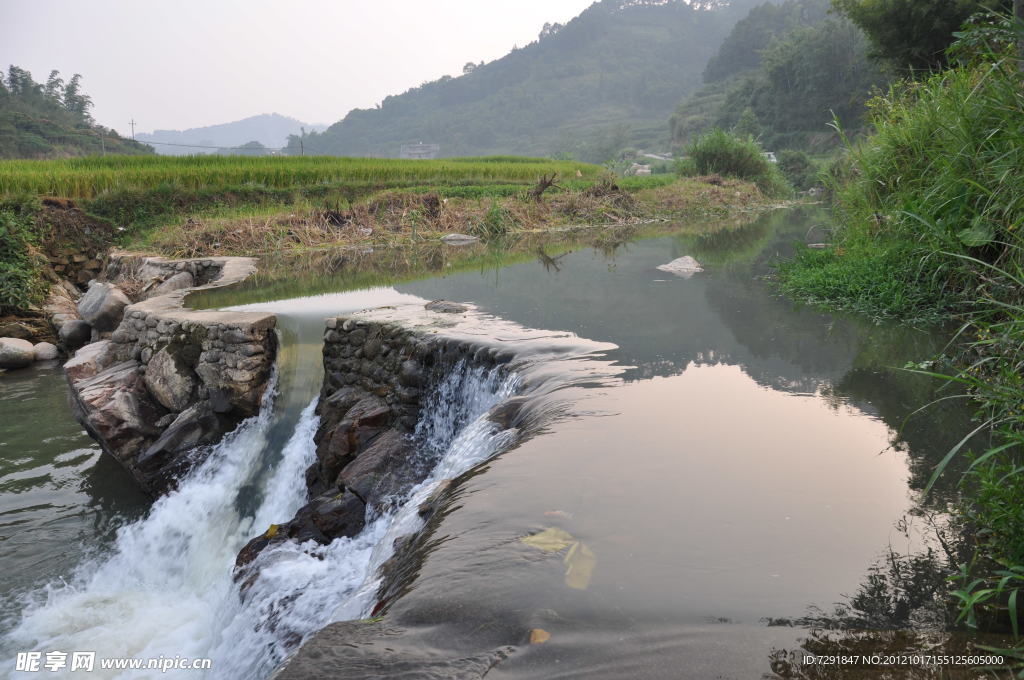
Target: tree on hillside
x=76, y=101
x=39, y=120
x=913, y=34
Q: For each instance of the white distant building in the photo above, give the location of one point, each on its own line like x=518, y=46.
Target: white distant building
x=770, y=155
x=419, y=151
x=639, y=169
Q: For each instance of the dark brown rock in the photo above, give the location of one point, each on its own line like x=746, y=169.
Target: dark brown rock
x=384, y=470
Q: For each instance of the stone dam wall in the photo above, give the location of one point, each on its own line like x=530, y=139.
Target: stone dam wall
x=160, y=381
x=378, y=369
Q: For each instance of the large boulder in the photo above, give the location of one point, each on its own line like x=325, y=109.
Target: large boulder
x=103, y=306
x=170, y=379
x=45, y=351
x=168, y=458
x=88, y=361
x=74, y=333
x=383, y=472
x=117, y=410
x=15, y=353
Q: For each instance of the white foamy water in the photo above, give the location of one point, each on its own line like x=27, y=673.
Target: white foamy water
x=167, y=590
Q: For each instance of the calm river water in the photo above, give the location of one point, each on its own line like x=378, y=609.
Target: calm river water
x=742, y=459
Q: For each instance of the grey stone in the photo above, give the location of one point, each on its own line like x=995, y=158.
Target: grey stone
x=411, y=373
x=459, y=239
x=102, y=306
x=15, y=353
x=683, y=267
x=445, y=307
x=88, y=361
x=371, y=649
x=179, y=281
x=45, y=351
x=382, y=472
x=117, y=410
x=170, y=380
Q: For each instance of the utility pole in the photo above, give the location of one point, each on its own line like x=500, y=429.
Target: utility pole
x=302, y=147
x=132, y=123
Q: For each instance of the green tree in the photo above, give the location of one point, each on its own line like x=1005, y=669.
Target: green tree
x=913, y=34
x=76, y=101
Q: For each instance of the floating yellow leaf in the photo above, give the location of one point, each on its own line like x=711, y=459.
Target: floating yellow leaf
x=271, y=532
x=550, y=540
x=539, y=636
x=579, y=566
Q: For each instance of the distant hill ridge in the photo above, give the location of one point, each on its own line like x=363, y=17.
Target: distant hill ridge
x=607, y=79
x=270, y=129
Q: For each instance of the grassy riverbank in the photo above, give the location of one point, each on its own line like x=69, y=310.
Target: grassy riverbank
x=930, y=209
x=187, y=207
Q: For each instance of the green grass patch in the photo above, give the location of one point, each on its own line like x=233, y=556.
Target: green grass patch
x=21, y=265
x=881, y=282
x=90, y=177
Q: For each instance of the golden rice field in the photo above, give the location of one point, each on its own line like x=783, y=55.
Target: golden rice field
x=88, y=177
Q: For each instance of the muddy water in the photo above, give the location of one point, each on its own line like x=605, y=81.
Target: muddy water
x=743, y=459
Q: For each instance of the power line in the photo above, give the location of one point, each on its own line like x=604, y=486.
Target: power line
x=201, y=146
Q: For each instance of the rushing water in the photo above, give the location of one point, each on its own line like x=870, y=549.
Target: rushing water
x=741, y=458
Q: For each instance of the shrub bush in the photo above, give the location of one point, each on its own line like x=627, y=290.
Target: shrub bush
x=719, y=152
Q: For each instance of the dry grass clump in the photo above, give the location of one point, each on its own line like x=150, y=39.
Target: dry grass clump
x=392, y=217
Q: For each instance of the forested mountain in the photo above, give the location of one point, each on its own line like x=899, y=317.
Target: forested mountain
x=269, y=129
x=607, y=79
x=781, y=75
x=51, y=120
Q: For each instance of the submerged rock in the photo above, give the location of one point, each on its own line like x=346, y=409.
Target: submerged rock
x=103, y=306
x=459, y=239
x=15, y=353
x=445, y=307
x=683, y=267
x=370, y=649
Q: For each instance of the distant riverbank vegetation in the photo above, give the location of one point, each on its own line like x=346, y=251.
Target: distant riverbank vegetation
x=930, y=208
x=89, y=177
x=52, y=120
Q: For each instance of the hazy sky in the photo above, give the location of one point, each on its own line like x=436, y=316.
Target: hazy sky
x=175, y=64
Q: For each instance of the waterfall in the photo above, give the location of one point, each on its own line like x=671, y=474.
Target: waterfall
x=167, y=587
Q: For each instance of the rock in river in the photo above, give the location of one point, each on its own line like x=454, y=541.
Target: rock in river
x=45, y=351
x=683, y=267
x=15, y=353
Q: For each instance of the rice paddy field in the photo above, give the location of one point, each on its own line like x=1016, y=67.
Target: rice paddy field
x=89, y=177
